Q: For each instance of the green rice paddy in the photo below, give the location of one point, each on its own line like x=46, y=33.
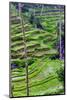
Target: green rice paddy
x=43, y=78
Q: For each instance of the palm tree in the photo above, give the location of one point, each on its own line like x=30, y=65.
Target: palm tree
x=25, y=49
x=42, y=10
x=60, y=28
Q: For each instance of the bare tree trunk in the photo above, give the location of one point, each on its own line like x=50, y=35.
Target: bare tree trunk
x=25, y=49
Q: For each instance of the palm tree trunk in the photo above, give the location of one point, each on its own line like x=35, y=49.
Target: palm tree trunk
x=34, y=16
x=42, y=10
x=25, y=49
x=60, y=29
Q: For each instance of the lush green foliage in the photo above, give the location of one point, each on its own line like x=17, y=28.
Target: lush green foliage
x=44, y=67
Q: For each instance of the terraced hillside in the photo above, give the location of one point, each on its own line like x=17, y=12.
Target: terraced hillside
x=44, y=59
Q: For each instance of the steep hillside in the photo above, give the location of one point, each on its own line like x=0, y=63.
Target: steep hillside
x=42, y=52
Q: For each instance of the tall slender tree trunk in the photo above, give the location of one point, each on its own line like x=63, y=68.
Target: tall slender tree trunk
x=60, y=29
x=34, y=16
x=42, y=10
x=25, y=49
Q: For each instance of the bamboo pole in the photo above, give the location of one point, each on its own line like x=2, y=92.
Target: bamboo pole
x=25, y=49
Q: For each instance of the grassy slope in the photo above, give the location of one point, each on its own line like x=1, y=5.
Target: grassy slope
x=43, y=79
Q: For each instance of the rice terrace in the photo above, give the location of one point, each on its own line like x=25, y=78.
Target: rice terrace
x=37, y=49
